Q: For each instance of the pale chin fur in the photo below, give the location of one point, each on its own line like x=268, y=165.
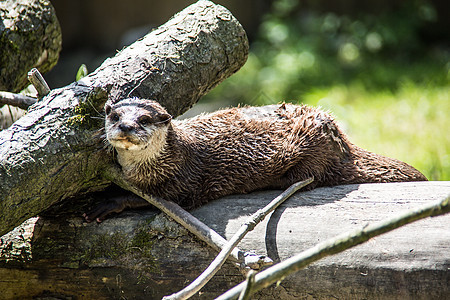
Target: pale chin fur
x=131, y=155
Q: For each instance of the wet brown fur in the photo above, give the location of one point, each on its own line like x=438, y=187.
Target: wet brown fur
x=228, y=152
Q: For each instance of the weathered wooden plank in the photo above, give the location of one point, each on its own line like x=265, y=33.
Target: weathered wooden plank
x=141, y=254
x=410, y=262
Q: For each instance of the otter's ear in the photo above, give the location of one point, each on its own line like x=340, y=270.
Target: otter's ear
x=107, y=109
x=164, y=118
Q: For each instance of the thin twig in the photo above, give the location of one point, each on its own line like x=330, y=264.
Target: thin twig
x=338, y=244
x=249, y=282
x=191, y=223
x=257, y=217
x=39, y=83
x=16, y=100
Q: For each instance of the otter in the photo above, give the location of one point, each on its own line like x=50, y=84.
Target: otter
x=236, y=150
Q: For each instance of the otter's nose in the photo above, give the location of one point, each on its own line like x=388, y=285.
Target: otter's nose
x=125, y=127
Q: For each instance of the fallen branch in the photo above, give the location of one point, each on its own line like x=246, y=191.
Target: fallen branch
x=22, y=101
x=195, y=226
x=339, y=244
x=175, y=64
x=16, y=100
x=252, y=221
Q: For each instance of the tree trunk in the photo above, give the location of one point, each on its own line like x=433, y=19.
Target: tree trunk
x=30, y=37
x=143, y=255
x=50, y=154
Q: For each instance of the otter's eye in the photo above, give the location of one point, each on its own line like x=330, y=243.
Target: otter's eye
x=107, y=109
x=144, y=120
x=114, y=117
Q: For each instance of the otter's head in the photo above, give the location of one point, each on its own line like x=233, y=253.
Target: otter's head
x=137, y=125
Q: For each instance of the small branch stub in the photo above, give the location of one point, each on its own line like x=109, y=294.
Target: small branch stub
x=39, y=83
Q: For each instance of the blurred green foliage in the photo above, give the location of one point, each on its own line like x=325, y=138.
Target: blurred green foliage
x=387, y=88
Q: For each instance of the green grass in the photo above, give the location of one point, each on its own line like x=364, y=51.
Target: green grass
x=411, y=124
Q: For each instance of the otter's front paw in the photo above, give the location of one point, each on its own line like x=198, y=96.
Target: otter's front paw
x=101, y=211
x=114, y=205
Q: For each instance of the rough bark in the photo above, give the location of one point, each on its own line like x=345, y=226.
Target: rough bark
x=143, y=255
x=50, y=153
x=30, y=37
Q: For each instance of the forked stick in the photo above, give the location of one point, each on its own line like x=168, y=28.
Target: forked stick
x=252, y=221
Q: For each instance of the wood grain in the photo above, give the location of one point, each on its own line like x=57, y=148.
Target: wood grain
x=142, y=254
